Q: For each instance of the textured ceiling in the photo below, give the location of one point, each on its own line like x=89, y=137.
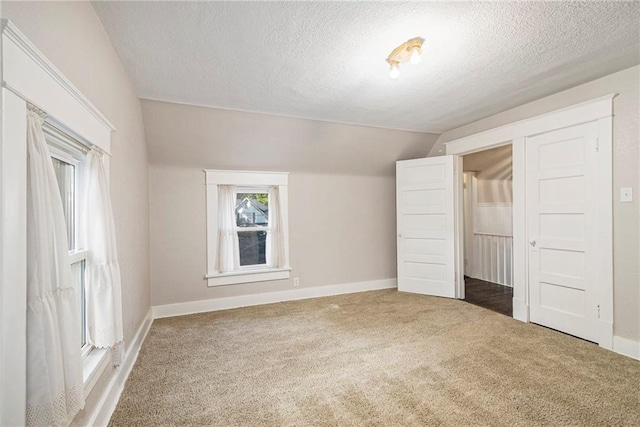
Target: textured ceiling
x=326, y=60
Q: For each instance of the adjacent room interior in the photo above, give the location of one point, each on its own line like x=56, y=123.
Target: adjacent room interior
x=488, y=228
x=319, y=213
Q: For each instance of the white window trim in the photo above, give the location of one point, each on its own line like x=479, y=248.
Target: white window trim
x=94, y=363
x=245, y=179
x=243, y=276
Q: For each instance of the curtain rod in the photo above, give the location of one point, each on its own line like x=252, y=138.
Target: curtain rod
x=58, y=130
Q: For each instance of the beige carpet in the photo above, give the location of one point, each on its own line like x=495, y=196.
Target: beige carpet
x=376, y=358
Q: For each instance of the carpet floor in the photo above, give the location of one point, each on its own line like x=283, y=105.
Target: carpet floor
x=380, y=358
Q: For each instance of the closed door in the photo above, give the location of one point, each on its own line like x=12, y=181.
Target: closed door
x=561, y=173
x=425, y=215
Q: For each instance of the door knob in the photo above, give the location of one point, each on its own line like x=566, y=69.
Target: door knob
x=532, y=243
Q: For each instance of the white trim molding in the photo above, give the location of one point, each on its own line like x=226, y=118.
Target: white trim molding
x=13, y=261
x=93, y=366
x=109, y=399
x=245, y=178
x=584, y=112
x=520, y=310
x=598, y=110
x=604, y=196
x=249, y=275
x=626, y=347
x=519, y=231
x=31, y=76
x=36, y=56
x=191, y=307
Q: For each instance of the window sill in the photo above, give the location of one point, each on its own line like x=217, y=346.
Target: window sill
x=247, y=276
x=93, y=365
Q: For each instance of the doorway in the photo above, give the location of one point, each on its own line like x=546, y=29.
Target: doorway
x=488, y=228
x=562, y=255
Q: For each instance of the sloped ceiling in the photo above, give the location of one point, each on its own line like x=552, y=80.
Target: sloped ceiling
x=326, y=60
x=496, y=163
x=186, y=136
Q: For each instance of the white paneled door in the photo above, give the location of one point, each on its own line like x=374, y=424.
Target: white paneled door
x=425, y=195
x=561, y=176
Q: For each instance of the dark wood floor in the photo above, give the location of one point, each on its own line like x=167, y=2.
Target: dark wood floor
x=489, y=295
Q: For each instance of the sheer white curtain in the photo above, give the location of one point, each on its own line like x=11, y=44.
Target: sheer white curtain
x=55, y=391
x=275, y=236
x=228, y=255
x=103, y=290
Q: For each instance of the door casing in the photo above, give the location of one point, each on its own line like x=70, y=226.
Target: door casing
x=598, y=110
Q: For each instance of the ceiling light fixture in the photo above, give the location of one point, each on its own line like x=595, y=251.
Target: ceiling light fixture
x=409, y=51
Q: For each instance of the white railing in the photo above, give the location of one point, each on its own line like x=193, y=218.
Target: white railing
x=493, y=258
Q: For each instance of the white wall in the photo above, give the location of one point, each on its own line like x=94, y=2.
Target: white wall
x=341, y=194
x=626, y=166
x=71, y=36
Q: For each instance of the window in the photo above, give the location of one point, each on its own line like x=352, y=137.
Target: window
x=67, y=169
x=247, y=230
x=252, y=226
x=68, y=158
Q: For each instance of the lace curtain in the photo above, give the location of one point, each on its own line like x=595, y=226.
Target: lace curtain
x=228, y=254
x=103, y=289
x=275, y=236
x=55, y=391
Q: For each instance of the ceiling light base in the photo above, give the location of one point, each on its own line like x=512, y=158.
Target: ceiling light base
x=409, y=51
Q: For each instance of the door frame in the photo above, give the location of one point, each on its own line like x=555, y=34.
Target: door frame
x=598, y=109
x=470, y=200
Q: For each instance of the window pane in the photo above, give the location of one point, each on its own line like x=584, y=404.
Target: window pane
x=65, y=174
x=252, y=209
x=252, y=247
x=77, y=275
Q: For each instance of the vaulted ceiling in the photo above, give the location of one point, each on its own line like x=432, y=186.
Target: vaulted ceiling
x=326, y=60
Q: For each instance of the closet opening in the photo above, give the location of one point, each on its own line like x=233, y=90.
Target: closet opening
x=488, y=229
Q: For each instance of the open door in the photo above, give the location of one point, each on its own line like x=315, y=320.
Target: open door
x=426, y=197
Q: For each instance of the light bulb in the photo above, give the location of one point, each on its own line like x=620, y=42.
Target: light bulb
x=416, y=55
x=394, y=72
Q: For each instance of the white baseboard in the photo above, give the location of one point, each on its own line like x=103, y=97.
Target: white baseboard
x=520, y=310
x=180, y=309
x=626, y=347
x=109, y=399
